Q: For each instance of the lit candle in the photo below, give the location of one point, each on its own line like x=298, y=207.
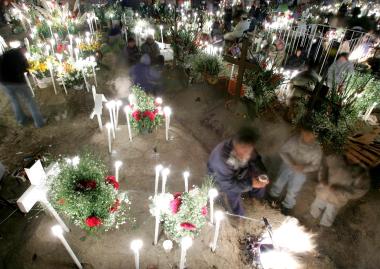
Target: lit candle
x=162, y=37
x=85, y=81
x=186, y=243
x=118, y=103
x=165, y=172
x=26, y=41
x=167, y=113
x=110, y=105
x=127, y=111
x=186, y=175
x=58, y=232
x=50, y=66
x=28, y=82
x=157, y=215
x=212, y=194
x=118, y=164
x=76, y=51
x=218, y=218
x=109, y=126
x=136, y=245
x=93, y=64
x=49, y=23
x=157, y=178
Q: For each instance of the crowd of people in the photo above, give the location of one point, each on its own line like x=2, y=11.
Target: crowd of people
x=237, y=168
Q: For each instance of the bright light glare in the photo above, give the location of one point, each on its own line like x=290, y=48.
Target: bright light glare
x=136, y=245
x=279, y=260
x=57, y=230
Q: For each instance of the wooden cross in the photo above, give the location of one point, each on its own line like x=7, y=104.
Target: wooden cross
x=242, y=64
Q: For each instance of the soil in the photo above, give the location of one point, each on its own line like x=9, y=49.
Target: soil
x=200, y=121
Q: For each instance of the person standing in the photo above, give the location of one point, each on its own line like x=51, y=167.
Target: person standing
x=236, y=167
x=13, y=65
x=300, y=155
x=339, y=182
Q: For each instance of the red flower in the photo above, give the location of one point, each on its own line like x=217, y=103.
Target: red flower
x=61, y=201
x=115, y=206
x=112, y=180
x=188, y=226
x=136, y=115
x=93, y=221
x=175, y=205
x=204, y=211
x=60, y=48
x=149, y=114
x=177, y=194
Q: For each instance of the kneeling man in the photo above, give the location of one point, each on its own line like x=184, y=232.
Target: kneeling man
x=236, y=167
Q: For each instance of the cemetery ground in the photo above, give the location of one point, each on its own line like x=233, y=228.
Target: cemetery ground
x=200, y=121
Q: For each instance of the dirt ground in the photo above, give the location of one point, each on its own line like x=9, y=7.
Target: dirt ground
x=200, y=121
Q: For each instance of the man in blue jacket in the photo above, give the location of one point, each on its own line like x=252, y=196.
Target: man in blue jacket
x=236, y=166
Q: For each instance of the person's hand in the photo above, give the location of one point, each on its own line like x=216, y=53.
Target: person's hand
x=258, y=184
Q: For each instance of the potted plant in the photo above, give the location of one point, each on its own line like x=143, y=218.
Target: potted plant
x=208, y=66
x=40, y=71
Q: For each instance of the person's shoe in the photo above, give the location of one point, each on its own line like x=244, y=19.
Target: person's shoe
x=273, y=201
x=43, y=124
x=286, y=211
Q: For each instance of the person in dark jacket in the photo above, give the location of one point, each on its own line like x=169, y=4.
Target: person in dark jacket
x=132, y=51
x=236, y=167
x=13, y=65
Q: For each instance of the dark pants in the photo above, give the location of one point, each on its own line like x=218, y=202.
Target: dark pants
x=234, y=199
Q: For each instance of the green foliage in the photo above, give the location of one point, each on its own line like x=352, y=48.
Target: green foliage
x=261, y=84
x=338, y=116
x=145, y=112
x=203, y=63
x=80, y=191
x=185, y=213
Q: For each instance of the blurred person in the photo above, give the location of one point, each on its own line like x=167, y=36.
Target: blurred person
x=13, y=65
x=340, y=181
x=339, y=70
x=236, y=167
x=151, y=48
x=301, y=154
x=132, y=51
x=239, y=29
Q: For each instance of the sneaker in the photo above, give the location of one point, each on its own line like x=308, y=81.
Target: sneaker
x=286, y=211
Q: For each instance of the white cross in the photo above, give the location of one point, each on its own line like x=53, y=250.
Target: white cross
x=98, y=108
x=37, y=191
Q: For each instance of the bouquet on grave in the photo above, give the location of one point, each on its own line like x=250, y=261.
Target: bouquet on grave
x=72, y=73
x=182, y=213
x=147, y=112
x=85, y=194
x=39, y=65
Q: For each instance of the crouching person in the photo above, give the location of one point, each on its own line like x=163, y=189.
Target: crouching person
x=236, y=167
x=340, y=182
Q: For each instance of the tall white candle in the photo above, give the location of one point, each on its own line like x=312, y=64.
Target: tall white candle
x=118, y=164
x=136, y=245
x=127, y=111
x=158, y=170
x=186, y=243
x=76, y=51
x=218, y=218
x=110, y=105
x=85, y=81
x=162, y=36
x=109, y=127
x=28, y=82
x=186, y=175
x=212, y=194
x=157, y=225
x=49, y=23
x=93, y=64
x=26, y=41
x=50, y=66
x=167, y=113
x=118, y=103
x=165, y=172
x=57, y=231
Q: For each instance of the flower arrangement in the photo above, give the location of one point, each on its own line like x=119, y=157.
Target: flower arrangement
x=182, y=214
x=39, y=68
x=262, y=85
x=146, y=111
x=91, y=199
